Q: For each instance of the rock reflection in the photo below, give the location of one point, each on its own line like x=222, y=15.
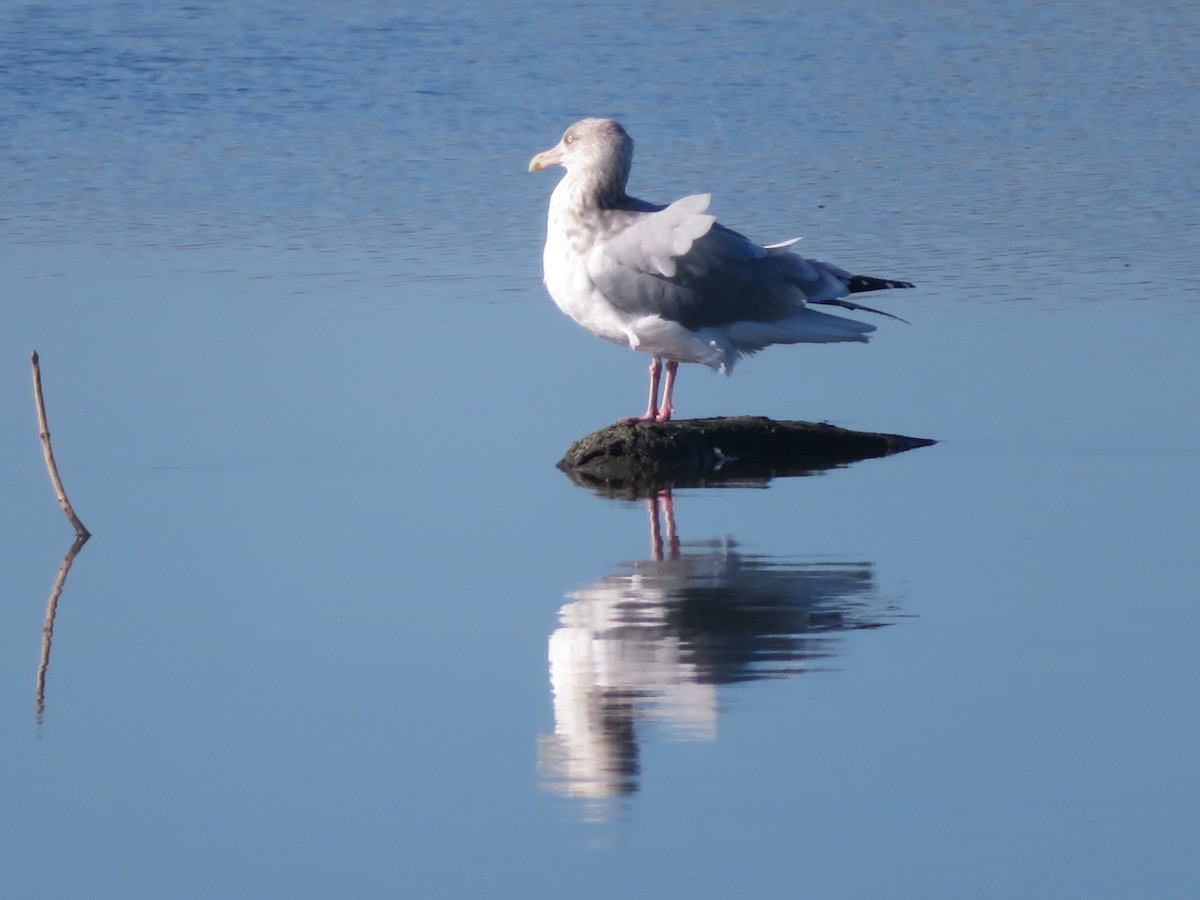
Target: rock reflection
x=651, y=643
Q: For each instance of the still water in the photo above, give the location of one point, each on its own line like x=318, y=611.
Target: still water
x=343, y=629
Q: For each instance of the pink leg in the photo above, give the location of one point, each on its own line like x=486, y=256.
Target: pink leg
x=652, y=408
x=664, y=411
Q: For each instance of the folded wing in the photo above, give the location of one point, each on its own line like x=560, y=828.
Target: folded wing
x=680, y=264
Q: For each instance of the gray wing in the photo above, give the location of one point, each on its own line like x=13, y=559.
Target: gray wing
x=679, y=263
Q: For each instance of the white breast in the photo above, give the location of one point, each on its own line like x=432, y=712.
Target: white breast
x=564, y=265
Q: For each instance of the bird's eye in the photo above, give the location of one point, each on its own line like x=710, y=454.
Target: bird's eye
x=568, y=139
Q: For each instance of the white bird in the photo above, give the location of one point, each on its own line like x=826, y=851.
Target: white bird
x=670, y=280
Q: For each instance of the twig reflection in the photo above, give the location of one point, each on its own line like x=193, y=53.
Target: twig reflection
x=48, y=627
x=651, y=643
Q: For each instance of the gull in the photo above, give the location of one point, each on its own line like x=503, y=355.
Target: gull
x=670, y=280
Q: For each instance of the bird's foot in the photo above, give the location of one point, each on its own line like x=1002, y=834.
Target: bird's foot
x=656, y=416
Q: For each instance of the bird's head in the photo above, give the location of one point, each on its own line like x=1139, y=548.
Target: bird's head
x=593, y=148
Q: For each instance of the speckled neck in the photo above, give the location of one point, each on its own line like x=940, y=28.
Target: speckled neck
x=593, y=190
x=598, y=176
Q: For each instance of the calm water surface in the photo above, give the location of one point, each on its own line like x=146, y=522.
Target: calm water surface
x=343, y=630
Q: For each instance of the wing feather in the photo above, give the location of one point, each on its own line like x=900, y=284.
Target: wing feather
x=679, y=263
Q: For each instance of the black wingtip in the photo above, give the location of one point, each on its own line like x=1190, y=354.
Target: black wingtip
x=846, y=304
x=860, y=283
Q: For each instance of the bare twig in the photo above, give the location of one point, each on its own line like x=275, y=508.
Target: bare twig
x=44, y=431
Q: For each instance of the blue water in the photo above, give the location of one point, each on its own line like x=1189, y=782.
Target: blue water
x=343, y=629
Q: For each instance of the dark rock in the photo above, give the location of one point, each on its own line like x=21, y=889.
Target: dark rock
x=635, y=459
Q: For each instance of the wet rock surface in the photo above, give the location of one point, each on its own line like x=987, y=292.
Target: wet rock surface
x=638, y=458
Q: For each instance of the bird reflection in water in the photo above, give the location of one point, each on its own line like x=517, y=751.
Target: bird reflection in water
x=651, y=643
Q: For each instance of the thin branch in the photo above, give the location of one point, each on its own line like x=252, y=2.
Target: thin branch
x=44, y=431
